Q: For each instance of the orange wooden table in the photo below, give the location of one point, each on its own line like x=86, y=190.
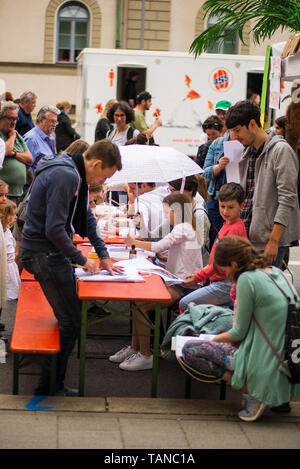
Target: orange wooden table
x=109, y=240
x=153, y=290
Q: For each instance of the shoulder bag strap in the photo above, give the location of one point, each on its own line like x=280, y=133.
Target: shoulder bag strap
x=261, y=329
x=270, y=343
x=290, y=286
x=279, y=288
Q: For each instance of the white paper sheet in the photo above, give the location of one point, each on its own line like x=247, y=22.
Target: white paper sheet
x=143, y=265
x=105, y=276
x=179, y=341
x=233, y=150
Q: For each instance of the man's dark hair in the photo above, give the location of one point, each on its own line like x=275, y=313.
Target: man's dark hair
x=107, y=152
x=143, y=96
x=150, y=184
x=231, y=191
x=133, y=73
x=242, y=113
x=128, y=111
x=281, y=122
x=191, y=184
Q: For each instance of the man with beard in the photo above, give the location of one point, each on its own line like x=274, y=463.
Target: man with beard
x=40, y=140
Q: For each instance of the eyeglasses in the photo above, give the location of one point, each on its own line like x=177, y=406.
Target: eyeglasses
x=211, y=126
x=11, y=119
x=119, y=115
x=52, y=121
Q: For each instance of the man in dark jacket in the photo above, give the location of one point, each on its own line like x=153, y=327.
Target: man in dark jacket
x=130, y=89
x=58, y=206
x=26, y=107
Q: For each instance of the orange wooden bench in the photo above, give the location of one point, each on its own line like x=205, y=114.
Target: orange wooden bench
x=35, y=333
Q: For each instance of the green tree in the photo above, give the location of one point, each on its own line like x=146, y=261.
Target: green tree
x=266, y=16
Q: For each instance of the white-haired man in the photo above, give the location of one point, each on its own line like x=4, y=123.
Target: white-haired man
x=40, y=140
x=26, y=107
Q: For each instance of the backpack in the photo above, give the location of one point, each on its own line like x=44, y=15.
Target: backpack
x=213, y=231
x=201, y=154
x=21, y=210
x=197, y=319
x=129, y=135
x=291, y=363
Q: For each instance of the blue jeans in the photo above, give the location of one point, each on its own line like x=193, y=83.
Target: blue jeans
x=217, y=293
x=214, y=214
x=54, y=273
x=282, y=250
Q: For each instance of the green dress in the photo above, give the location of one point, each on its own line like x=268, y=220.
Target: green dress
x=255, y=364
x=14, y=171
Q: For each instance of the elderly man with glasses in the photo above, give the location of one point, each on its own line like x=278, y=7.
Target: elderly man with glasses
x=17, y=154
x=40, y=140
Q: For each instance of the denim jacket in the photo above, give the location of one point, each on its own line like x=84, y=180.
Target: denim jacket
x=215, y=152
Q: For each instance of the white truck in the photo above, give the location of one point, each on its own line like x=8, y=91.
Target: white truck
x=184, y=90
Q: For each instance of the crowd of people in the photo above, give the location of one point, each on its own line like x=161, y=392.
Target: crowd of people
x=224, y=239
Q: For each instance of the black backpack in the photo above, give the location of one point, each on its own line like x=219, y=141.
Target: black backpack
x=213, y=231
x=201, y=154
x=129, y=132
x=291, y=363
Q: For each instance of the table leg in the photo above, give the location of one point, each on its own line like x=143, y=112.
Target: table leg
x=16, y=374
x=155, y=350
x=53, y=374
x=82, y=347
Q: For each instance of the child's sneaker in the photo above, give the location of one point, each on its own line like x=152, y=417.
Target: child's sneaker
x=137, y=362
x=122, y=354
x=253, y=410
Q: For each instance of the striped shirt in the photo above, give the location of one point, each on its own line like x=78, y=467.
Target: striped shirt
x=246, y=213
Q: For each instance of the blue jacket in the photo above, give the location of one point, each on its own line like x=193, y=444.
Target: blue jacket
x=50, y=210
x=215, y=152
x=24, y=122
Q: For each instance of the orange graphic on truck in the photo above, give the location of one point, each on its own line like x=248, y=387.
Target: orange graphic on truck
x=111, y=77
x=187, y=81
x=99, y=108
x=210, y=105
x=191, y=94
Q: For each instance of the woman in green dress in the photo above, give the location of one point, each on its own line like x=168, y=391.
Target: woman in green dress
x=242, y=356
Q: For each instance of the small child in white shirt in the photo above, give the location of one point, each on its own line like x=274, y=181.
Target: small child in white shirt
x=184, y=254
x=8, y=217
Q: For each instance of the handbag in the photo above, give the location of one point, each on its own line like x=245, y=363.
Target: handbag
x=196, y=374
x=290, y=365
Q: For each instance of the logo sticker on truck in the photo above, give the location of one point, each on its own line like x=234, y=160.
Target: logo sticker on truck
x=221, y=79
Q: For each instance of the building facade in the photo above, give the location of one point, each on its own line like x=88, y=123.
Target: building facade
x=40, y=39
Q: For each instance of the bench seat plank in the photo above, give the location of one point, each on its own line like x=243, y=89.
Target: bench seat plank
x=35, y=329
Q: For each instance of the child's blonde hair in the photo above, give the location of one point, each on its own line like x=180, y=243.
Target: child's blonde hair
x=2, y=186
x=9, y=209
x=202, y=187
x=3, y=183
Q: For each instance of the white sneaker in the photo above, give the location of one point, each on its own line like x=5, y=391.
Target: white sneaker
x=137, y=362
x=122, y=354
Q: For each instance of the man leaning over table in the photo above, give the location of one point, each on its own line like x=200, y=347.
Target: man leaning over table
x=57, y=206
